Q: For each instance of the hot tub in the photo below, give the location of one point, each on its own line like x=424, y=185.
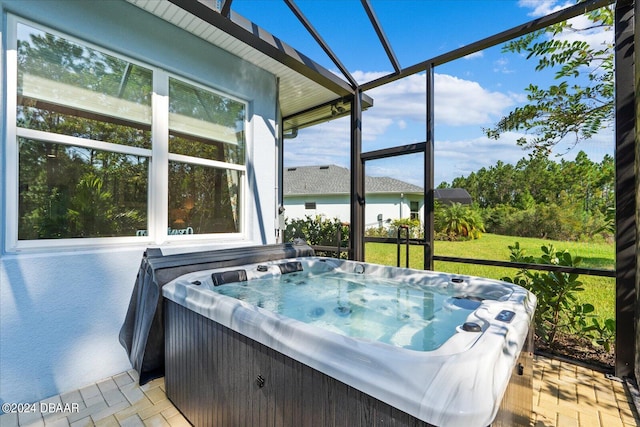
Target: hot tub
x=322, y=341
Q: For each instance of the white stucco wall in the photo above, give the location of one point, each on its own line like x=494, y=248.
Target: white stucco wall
x=61, y=310
x=390, y=206
x=330, y=206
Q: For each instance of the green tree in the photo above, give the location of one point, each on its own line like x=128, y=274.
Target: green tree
x=566, y=199
x=538, y=175
x=459, y=222
x=581, y=103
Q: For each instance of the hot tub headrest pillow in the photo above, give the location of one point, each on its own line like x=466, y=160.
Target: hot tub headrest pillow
x=231, y=276
x=290, y=267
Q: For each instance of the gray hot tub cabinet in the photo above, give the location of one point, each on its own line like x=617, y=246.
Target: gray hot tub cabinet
x=218, y=377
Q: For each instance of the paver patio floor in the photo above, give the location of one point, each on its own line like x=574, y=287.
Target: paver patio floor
x=564, y=395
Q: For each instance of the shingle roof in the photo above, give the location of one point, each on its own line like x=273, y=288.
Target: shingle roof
x=451, y=195
x=332, y=179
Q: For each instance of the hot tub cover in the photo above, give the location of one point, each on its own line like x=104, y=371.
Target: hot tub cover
x=142, y=334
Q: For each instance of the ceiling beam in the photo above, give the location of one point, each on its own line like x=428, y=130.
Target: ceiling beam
x=307, y=24
x=394, y=151
x=505, y=36
x=257, y=38
x=381, y=35
x=225, y=8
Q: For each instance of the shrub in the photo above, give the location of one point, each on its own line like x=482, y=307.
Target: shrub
x=552, y=221
x=458, y=222
x=496, y=219
x=317, y=230
x=377, y=232
x=415, y=227
x=558, y=309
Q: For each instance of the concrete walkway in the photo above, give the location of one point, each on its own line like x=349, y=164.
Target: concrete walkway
x=565, y=395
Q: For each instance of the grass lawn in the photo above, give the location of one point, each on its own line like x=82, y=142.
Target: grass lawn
x=599, y=291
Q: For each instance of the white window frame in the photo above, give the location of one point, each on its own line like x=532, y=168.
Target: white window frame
x=414, y=213
x=159, y=157
x=242, y=199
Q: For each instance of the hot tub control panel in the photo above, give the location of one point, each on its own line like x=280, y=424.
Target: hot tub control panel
x=505, y=316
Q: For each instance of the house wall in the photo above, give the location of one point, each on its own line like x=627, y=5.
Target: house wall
x=337, y=206
x=61, y=310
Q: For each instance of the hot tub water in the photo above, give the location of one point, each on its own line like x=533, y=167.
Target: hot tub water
x=389, y=311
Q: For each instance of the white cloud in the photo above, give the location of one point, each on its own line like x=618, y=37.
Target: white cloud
x=374, y=125
x=323, y=144
x=479, y=54
x=596, y=147
x=329, y=144
x=543, y=7
x=595, y=37
x=458, y=102
x=456, y=158
x=501, y=66
x=400, y=109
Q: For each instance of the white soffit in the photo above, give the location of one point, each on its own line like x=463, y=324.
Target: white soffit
x=297, y=92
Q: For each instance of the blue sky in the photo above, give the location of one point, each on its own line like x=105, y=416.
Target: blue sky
x=471, y=93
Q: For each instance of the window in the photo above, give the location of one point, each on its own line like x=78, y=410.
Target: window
x=89, y=135
x=415, y=210
x=310, y=205
x=207, y=130
x=68, y=191
x=202, y=199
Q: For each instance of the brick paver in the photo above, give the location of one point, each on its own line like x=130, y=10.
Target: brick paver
x=564, y=395
x=113, y=402
x=568, y=395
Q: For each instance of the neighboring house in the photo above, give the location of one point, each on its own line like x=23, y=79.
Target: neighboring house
x=315, y=190
x=127, y=125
